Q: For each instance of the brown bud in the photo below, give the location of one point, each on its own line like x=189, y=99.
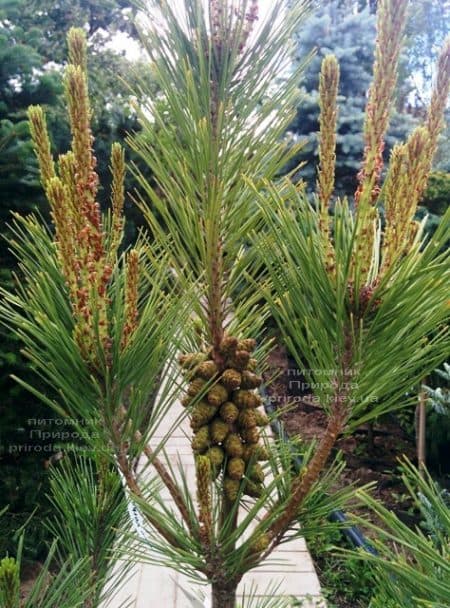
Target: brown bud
x=186, y=401
x=256, y=473
x=252, y=365
x=202, y=414
x=255, y=452
x=201, y=439
x=247, y=418
x=231, y=488
x=246, y=399
x=196, y=386
x=250, y=435
x=239, y=360
x=229, y=344
x=253, y=489
x=261, y=418
x=190, y=360
x=206, y=370
x=216, y=456
x=233, y=445
x=249, y=344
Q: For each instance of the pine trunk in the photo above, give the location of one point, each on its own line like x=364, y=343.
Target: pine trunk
x=223, y=596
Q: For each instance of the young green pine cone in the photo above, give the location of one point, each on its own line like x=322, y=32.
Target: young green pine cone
x=231, y=488
x=206, y=370
x=186, y=401
x=260, y=544
x=248, y=344
x=236, y=468
x=229, y=345
x=250, y=380
x=219, y=430
x=217, y=395
x=247, y=419
x=261, y=418
x=253, y=489
x=202, y=414
x=190, y=360
x=196, y=386
x=229, y=412
x=255, y=452
x=216, y=456
x=246, y=399
x=201, y=440
x=233, y=445
x=250, y=435
x=231, y=379
x=256, y=473
x=252, y=365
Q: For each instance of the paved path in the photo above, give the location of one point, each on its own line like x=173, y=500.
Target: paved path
x=158, y=587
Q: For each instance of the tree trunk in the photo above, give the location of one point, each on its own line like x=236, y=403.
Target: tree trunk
x=223, y=596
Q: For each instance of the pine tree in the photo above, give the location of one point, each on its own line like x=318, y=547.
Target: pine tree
x=334, y=287
x=100, y=326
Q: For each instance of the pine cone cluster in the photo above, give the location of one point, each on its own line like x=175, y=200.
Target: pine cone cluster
x=224, y=414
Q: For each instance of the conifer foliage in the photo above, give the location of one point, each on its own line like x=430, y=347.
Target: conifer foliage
x=84, y=315
x=181, y=314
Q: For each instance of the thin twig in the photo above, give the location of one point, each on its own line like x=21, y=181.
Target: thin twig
x=170, y=484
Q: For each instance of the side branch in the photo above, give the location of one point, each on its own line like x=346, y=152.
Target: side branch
x=134, y=488
x=304, y=482
x=170, y=484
